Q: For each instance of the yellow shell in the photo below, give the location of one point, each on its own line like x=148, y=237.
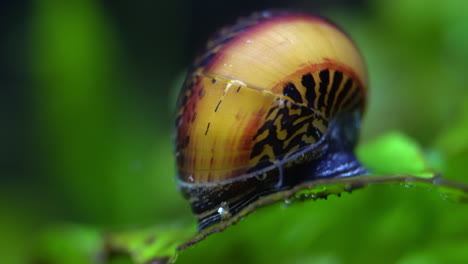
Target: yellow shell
x=261, y=99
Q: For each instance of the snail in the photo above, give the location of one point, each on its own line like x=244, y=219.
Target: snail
x=275, y=100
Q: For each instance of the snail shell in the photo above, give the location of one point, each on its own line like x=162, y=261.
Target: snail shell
x=275, y=100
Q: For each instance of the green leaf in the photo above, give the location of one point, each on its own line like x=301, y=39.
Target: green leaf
x=81, y=244
x=398, y=160
x=70, y=244
x=454, y=139
x=152, y=245
x=394, y=153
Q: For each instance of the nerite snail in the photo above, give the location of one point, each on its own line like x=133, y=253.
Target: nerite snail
x=274, y=101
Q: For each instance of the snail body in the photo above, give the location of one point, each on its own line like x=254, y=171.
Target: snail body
x=274, y=101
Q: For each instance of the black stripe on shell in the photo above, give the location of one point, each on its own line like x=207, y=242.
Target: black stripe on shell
x=337, y=79
x=342, y=94
x=324, y=81
x=309, y=83
x=291, y=91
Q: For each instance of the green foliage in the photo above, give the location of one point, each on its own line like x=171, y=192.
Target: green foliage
x=106, y=160
x=94, y=142
x=157, y=244
x=394, y=154
x=310, y=227
x=72, y=244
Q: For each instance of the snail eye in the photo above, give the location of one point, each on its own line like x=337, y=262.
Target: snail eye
x=274, y=101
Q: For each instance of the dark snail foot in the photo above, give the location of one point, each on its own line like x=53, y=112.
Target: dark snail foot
x=332, y=165
x=339, y=160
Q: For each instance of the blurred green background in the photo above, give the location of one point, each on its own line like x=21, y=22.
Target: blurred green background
x=88, y=91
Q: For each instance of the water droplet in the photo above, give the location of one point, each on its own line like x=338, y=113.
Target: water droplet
x=348, y=188
x=190, y=178
x=437, y=180
x=408, y=185
x=223, y=211
x=299, y=197
x=302, y=196
x=287, y=202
